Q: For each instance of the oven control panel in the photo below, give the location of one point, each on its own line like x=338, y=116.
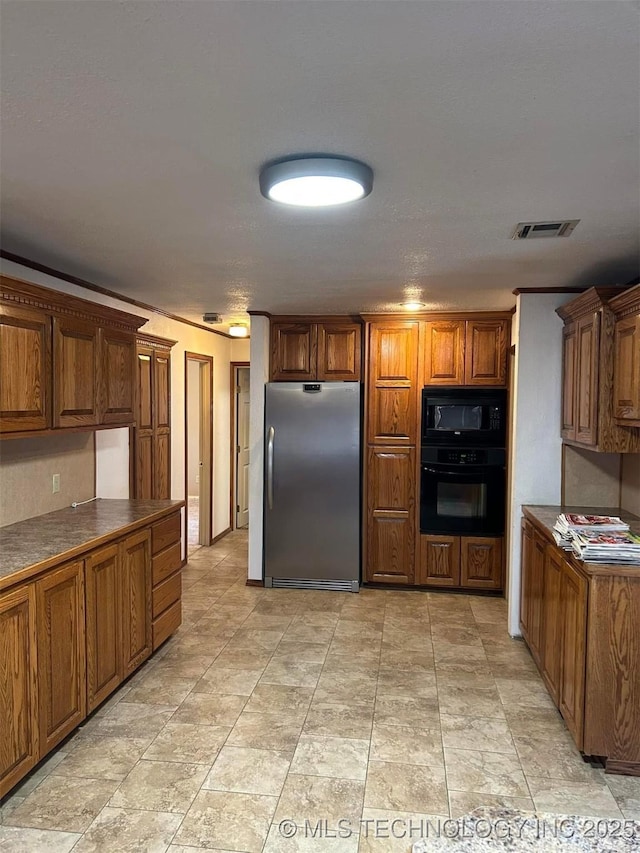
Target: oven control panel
x=454, y=456
x=463, y=457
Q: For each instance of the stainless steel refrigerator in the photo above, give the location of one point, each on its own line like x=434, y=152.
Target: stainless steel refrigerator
x=312, y=485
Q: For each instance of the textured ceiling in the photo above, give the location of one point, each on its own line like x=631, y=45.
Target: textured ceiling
x=133, y=133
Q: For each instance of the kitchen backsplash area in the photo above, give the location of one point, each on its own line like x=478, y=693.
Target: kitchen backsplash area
x=630, y=483
x=27, y=466
x=601, y=479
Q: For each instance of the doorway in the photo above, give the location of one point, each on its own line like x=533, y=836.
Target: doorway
x=240, y=409
x=198, y=438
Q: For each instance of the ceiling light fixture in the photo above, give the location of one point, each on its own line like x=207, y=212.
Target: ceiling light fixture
x=413, y=306
x=238, y=330
x=316, y=181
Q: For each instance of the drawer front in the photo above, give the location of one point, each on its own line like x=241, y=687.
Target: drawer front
x=165, y=625
x=167, y=593
x=165, y=533
x=166, y=562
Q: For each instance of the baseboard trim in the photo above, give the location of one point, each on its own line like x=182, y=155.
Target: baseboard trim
x=220, y=536
x=253, y=582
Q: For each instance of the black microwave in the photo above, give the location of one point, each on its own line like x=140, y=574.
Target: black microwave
x=464, y=416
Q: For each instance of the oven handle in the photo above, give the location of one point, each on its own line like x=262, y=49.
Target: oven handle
x=472, y=470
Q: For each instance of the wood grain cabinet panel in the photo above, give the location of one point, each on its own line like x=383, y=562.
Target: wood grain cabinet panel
x=75, y=373
x=568, y=381
x=586, y=381
x=294, y=351
x=439, y=560
x=480, y=562
x=485, y=361
x=162, y=391
x=144, y=361
x=117, y=371
x=392, y=385
x=19, y=750
x=626, y=389
x=25, y=367
x=574, y=595
x=339, y=349
x=61, y=653
x=526, y=557
x=151, y=457
x=103, y=623
x=135, y=554
x=532, y=591
x=552, y=619
x=444, y=352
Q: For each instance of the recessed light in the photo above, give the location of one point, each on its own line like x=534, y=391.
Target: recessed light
x=413, y=306
x=316, y=181
x=238, y=330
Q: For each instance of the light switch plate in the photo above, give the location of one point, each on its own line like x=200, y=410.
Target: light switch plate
x=55, y=484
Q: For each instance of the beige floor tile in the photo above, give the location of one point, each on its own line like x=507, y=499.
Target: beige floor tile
x=402, y=640
x=524, y=693
x=232, y=657
x=63, y=803
x=307, y=840
x=406, y=711
x=483, y=733
x=217, y=818
x=626, y=790
x=350, y=721
x=18, y=840
x=406, y=788
x=465, y=701
x=44, y=769
x=299, y=632
x=266, y=731
x=188, y=742
x=207, y=709
x=407, y=660
x=350, y=689
x=347, y=665
x=463, y=802
x=395, y=831
x=344, y=758
x=249, y=771
x=459, y=635
x=129, y=831
x=535, y=722
x=291, y=672
x=553, y=758
x=290, y=701
x=312, y=652
x=309, y=799
x=485, y=772
x=414, y=629
x=406, y=744
x=369, y=631
x=185, y=666
x=154, y=691
x=129, y=720
x=353, y=648
x=559, y=796
x=415, y=684
x=239, y=682
x=266, y=622
x=257, y=638
x=163, y=786
x=96, y=757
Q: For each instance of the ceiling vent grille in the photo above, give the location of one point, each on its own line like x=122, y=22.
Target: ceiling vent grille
x=536, y=230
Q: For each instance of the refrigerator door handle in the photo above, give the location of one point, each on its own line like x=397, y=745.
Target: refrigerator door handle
x=270, y=437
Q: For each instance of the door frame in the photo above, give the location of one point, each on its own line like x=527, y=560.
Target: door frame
x=234, y=365
x=206, y=419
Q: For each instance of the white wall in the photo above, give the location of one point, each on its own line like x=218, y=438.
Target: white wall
x=189, y=338
x=112, y=474
x=535, y=468
x=241, y=348
x=259, y=377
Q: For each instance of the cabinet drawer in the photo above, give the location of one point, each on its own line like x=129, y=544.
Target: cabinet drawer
x=165, y=563
x=165, y=533
x=166, y=624
x=166, y=593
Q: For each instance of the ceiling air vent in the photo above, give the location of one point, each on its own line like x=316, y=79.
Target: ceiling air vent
x=534, y=230
x=212, y=317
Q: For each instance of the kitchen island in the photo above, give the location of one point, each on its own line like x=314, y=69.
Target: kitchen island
x=581, y=622
x=86, y=595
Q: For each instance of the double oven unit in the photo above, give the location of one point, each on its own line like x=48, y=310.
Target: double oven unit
x=463, y=461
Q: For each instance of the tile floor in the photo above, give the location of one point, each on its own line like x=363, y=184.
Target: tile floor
x=273, y=705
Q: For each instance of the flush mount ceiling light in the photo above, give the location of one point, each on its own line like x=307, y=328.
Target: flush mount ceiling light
x=413, y=306
x=316, y=181
x=238, y=330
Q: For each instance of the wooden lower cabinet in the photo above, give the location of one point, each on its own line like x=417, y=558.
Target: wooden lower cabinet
x=532, y=581
x=19, y=740
x=573, y=639
x=135, y=555
x=468, y=562
x=104, y=624
x=166, y=579
x=551, y=626
x=62, y=693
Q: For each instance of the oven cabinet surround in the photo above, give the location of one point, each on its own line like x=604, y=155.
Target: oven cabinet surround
x=581, y=622
x=64, y=362
x=76, y=624
x=322, y=349
x=595, y=350
x=464, y=562
x=626, y=378
x=151, y=457
x=466, y=352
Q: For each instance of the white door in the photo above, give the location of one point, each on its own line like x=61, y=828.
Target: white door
x=242, y=447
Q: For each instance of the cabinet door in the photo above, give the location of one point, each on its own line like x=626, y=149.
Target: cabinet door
x=390, y=515
x=550, y=651
x=117, y=372
x=574, y=594
x=61, y=653
x=18, y=686
x=162, y=391
x=25, y=369
x=136, y=600
x=444, y=352
x=75, y=372
x=293, y=351
x=393, y=372
x=485, y=360
x=569, y=368
x=162, y=428
x=339, y=346
x=526, y=557
x=103, y=624
x=481, y=562
x=143, y=434
x=440, y=560
x=626, y=389
x=536, y=588
x=587, y=344
x=161, y=465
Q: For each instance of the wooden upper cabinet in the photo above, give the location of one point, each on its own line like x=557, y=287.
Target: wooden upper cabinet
x=25, y=367
x=586, y=379
x=393, y=372
x=293, y=351
x=61, y=653
x=162, y=390
x=75, y=373
x=444, y=352
x=136, y=600
x=339, y=351
x=116, y=374
x=568, y=381
x=485, y=361
x=626, y=388
x=144, y=420
x=19, y=750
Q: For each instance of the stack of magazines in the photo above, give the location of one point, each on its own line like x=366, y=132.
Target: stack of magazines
x=598, y=538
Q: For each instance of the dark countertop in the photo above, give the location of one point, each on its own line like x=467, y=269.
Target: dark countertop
x=36, y=544
x=544, y=517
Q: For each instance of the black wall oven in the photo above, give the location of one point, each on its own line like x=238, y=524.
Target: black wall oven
x=464, y=417
x=462, y=491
